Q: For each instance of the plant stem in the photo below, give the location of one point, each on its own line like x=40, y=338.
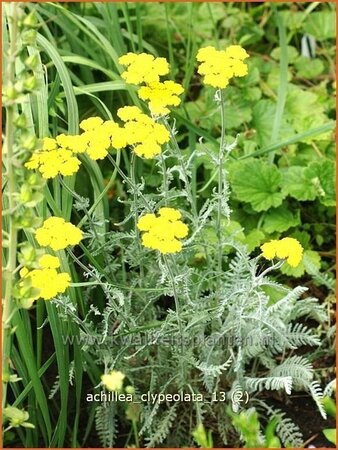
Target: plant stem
x=11, y=189
x=137, y=442
x=128, y=181
x=105, y=190
x=220, y=184
x=177, y=303
x=137, y=234
x=184, y=172
x=165, y=179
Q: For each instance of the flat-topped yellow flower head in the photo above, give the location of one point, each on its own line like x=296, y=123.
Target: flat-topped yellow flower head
x=219, y=66
x=143, y=68
x=161, y=95
x=163, y=232
x=46, y=280
x=113, y=380
x=142, y=132
x=58, y=234
x=287, y=248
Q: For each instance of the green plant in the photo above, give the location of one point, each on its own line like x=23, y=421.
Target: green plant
x=203, y=323
x=248, y=425
x=330, y=407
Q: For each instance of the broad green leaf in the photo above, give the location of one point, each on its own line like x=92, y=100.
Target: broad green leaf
x=237, y=113
x=254, y=239
x=303, y=237
x=321, y=175
x=295, y=183
x=309, y=68
x=330, y=406
x=292, y=19
x=309, y=257
x=330, y=434
x=321, y=25
x=280, y=219
x=304, y=111
x=262, y=118
x=258, y=183
x=291, y=51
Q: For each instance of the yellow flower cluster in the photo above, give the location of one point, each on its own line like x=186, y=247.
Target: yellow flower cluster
x=219, y=66
x=113, y=380
x=58, y=234
x=59, y=155
x=46, y=279
x=161, y=95
x=163, y=232
x=287, y=248
x=100, y=136
x=142, y=132
x=52, y=160
x=144, y=68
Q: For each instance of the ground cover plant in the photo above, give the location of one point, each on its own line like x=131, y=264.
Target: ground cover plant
x=168, y=224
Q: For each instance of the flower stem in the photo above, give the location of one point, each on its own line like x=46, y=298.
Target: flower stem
x=177, y=303
x=184, y=172
x=128, y=181
x=137, y=234
x=8, y=303
x=165, y=179
x=220, y=184
x=105, y=190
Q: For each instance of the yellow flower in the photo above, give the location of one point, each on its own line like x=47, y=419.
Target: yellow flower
x=51, y=161
x=58, y=234
x=287, y=248
x=113, y=380
x=142, y=132
x=163, y=232
x=161, y=95
x=77, y=143
x=91, y=124
x=49, y=144
x=143, y=68
x=269, y=249
x=46, y=279
x=49, y=262
x=219, y=66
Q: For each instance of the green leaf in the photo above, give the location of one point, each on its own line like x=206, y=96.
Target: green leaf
x=258, y=183
x=292, y=53
x=321, y=175
x=329, y=406
x=295, y=183
x=310, y=257
x=262, y=118
x=280, y=219
x=304, y=111
x=254, y=239
x=321, y=25
x=309, y=68
x=330, y=434
x=303, y=237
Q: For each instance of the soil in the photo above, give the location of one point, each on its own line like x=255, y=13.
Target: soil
x=303, y=412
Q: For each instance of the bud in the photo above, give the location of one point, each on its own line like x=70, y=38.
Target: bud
x=28, y=37
x=28, y=141
x=25, y=193
x=10, y=92
x=21, y=121
x=130, y=389
x=32, y=61
x=30, y=83
x=33, y=179
x=19, y=87
x=30, y=21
